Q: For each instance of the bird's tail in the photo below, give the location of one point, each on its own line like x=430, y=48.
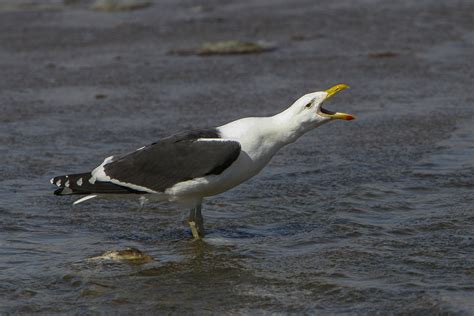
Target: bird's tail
x=79, y=184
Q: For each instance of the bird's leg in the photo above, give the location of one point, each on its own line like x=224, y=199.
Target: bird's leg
x=196, y=222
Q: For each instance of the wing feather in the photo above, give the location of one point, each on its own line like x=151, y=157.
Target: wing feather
x=173, y=160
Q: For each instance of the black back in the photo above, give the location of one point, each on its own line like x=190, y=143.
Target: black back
x=175, y=159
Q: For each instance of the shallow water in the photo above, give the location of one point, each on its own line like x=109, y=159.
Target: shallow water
x=369, y=216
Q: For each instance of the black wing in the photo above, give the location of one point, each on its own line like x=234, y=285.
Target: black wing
x=175, y=159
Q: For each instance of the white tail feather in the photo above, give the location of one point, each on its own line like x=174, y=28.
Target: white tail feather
x=87, y=197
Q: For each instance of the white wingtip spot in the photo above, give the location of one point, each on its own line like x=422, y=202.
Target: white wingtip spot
x=66, y=184
x=58, y=183
x=51, y=180
x=79, y=182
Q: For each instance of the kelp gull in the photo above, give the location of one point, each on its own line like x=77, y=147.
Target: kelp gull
x=189, y=166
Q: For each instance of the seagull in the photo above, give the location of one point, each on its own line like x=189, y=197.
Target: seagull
x=187, y=167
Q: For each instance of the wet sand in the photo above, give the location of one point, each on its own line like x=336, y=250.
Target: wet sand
x=368, y=216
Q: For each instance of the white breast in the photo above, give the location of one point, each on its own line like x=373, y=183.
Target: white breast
x=257, y=148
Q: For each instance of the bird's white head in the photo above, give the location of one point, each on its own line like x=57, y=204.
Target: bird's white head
x=308, y=111
x=285, y=127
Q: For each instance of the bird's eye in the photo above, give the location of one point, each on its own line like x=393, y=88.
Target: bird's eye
x=309, y=105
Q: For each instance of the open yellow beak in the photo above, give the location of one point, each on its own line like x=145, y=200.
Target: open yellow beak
x=337, y=115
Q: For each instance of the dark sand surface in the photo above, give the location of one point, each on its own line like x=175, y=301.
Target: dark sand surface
x=370, y=216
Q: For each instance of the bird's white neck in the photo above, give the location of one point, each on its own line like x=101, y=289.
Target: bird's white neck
x=286, y=129
x=265, y=135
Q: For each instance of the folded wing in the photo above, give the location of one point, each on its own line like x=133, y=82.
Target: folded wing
x=172, y=160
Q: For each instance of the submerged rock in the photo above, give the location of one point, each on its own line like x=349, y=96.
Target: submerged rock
x=92, y=292
x=30, y=5
x=100, y=96
x=119, y=5
x=383, y=55
x=130, y=254
x=231, y=47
